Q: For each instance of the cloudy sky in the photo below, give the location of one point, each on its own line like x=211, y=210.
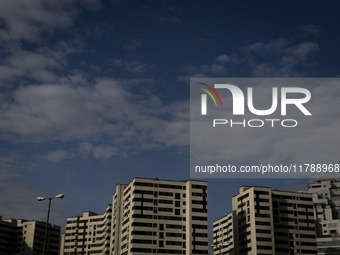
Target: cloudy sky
x=94, y=93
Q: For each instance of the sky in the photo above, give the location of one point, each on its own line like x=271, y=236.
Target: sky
x=94, y=93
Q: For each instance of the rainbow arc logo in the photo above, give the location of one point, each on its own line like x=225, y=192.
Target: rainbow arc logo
x=204, y=97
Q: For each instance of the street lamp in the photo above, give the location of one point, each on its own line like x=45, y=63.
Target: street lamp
x=48, y=215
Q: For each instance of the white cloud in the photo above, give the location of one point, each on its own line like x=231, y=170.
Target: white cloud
x=302, y=50
x=263, y=70
x=220, y=67
x=105, y=151
x=88, y=114
x=276, y=58
x=137, y=68
x=84, y=148
x=59, y=155
x=174, y=132
x=134, y=67
x=214, y=69
x=282, y=57
x=271, y=70
x=279, y=57
x=217, y=69
x=30, y=64
x=311, y=29
x=223, y=59
x=37, y=18
x=274, y=46
x=132, y=44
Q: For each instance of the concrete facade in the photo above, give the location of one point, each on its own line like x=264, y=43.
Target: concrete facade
x=223, y=235
x=326, y=198
x=27, y=237
x=162, y=217
x=147, y=216
x=269, y=221
x=88, y=233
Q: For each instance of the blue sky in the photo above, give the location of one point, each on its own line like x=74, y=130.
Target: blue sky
x=94, y=93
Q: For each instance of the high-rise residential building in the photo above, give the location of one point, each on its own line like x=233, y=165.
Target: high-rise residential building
x=27, y=237
x=269, y=221
x=89, y=233
x=160, y=217
x=223, y=238
x=326, y=198
x=148, y=216
x=117, y=217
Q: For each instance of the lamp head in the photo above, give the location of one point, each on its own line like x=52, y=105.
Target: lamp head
x=60, y=196
x=41, y=198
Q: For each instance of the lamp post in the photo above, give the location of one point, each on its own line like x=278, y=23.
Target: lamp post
x=48, y=215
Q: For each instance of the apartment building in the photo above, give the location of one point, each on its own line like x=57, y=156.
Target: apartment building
x=161, y=217
x=89, y=233
x=118, y=205
x=27, y=237
x=147, y=216
x=269, y=221
x=223, y=239
x=326, y=198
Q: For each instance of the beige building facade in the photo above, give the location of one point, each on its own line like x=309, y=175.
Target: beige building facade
x=160, y=217
x=89, y=233
x=326, y=198
x=27, y=237
x=148, y=216
x=269, y=221
x=223, y=235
